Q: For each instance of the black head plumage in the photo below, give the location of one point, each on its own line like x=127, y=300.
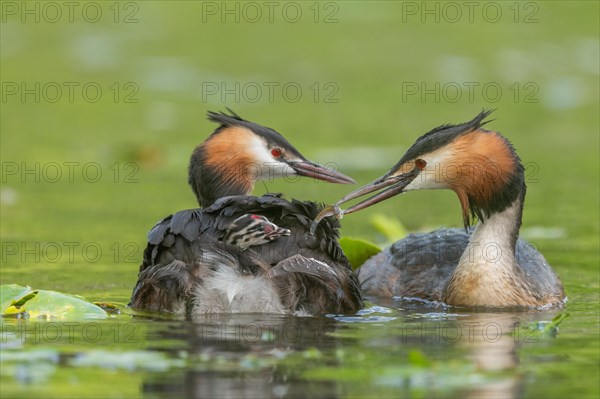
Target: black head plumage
x=270, y=135
x=442, y=135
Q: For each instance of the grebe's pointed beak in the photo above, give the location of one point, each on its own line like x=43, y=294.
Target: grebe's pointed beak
x=310, y=169
x=393, y=185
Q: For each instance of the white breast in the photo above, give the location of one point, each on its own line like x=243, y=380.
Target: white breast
x=229, y=291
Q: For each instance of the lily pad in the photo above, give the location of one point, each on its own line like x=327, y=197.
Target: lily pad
x=43, y=304
x=358, y=250
x=9, y=292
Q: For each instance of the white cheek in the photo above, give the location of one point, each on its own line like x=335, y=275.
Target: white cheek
x=434, y=176
x=426, y=180
x=266, y=167
x=276, y=169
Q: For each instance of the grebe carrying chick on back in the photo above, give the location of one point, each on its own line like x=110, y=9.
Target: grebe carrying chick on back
x=240, y=253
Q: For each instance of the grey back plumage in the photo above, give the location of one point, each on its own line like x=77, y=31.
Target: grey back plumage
x=420, y=266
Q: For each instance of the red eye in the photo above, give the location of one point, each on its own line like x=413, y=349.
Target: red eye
x=276, y=152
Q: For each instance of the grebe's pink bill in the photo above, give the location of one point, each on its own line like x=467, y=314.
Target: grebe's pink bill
x=388, y=186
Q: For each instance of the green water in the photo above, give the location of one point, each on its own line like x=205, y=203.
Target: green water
x=86, y=173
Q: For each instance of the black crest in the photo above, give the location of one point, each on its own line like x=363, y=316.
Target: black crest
x=442, y=135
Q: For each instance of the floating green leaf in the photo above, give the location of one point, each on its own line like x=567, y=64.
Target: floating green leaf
x=358, y=250
x=559, y=318
x=10, y=292
x=391, y=228
x=43, y=304
x=17, y=306
x=108, y=307
x=539, y=329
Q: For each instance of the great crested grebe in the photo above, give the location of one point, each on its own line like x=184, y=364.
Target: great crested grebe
x=245, y=254
x=488, y=266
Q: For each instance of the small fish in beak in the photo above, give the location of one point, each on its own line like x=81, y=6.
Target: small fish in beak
x=392, y=185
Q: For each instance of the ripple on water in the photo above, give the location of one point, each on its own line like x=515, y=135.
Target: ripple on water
x=437, y=316
x=367, y=315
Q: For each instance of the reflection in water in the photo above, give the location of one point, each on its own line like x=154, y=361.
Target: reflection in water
x=233, y=356
x=492, y=347
x=268, y=384
x=239, y=354
x=492, y=341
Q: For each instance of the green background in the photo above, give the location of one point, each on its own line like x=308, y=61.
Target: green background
x=373, y=76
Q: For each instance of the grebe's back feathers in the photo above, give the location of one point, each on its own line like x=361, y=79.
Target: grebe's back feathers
x=421, y=265
x=189, y=236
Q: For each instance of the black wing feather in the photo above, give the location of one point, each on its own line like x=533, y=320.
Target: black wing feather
x=187, y=235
